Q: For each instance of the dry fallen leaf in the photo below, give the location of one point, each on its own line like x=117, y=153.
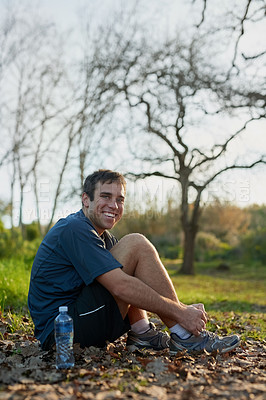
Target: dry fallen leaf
x=27, y=372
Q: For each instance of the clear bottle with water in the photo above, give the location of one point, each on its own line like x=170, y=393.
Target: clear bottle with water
x=64, y=333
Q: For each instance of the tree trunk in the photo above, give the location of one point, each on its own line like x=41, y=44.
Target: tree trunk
x=189, y=250
x=20, y=222
x=59, y=184
x=37, y=202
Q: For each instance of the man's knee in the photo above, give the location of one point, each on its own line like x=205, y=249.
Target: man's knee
x=135, y=237
x=130, y=247
x=135, y=241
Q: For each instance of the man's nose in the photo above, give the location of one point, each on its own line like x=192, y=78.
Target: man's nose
x=113, y=204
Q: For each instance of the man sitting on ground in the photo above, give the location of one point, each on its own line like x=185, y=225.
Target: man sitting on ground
x=108, y=285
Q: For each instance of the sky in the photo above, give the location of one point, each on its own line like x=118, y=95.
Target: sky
x=242, y=188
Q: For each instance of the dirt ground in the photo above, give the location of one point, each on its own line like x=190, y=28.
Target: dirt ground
x=27, y=372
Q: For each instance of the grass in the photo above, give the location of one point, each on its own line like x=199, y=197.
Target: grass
x=234, y=299
x=241, y=289
x=14, y=284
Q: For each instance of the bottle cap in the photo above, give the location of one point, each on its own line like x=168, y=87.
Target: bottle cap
x=63, y=309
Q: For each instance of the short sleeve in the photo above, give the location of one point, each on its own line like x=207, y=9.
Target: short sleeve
x=86, y=251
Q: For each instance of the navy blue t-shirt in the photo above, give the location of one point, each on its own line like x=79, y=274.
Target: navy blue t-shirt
x=71, y=256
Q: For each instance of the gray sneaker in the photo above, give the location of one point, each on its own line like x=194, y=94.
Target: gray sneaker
x=151, y=339
x=205, y=341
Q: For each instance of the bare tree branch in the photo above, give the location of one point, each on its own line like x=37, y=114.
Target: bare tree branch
x=221, y=147
x=242, y=21
x=202, y=13
x=171, y=94
x=253, y=57
x=231, y=167
x=143, y=175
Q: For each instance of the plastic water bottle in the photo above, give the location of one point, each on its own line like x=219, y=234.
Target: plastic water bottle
x=64, y=333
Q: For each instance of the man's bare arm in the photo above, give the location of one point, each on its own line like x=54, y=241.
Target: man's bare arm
x=133, y=291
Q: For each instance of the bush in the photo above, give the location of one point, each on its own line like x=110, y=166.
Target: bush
x=208, y=247
x=13, y=245
x=10, y=242
x=253, y=246
x=167, y=247
x=32, y=231
x=14, y=283
x=28, y=250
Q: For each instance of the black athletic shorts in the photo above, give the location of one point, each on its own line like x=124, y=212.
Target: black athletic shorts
x=96, y=318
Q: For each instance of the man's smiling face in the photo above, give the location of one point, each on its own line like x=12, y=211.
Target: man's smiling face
x=107, y=207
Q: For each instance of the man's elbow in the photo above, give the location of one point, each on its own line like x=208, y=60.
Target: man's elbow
x=116, y=283
x=120, y=290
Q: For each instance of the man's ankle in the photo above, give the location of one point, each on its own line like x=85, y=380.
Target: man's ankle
x=140, y=326
x=180, y=331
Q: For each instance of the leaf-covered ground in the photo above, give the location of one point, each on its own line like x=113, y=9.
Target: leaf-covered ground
x=26, y=372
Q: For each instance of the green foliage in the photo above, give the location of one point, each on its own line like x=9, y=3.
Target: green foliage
x=248, y=325
x=14, y=283
x=13, y=245
x=241, y=233
x=32, y=231
x=225, y=221
x=247, y=253
x=170, y=251
x=257, y=217
x=18, y=322
x=29, y=250
x=161, y=227
x=253, y=245
x=209, y=247
x=239, y=291
x=11, y=242
x=226, y=231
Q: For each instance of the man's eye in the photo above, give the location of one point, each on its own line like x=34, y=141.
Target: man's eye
x=121, y=201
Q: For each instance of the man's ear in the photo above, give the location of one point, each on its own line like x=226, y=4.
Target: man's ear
x=85, y=199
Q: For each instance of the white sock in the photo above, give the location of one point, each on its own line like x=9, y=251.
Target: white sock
x=180, y=331
x=140, y=326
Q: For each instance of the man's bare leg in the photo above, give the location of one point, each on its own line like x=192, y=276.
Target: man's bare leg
x=140, y=259
x=136, y=314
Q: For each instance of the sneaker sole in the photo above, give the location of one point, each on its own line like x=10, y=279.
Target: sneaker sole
x=173, y=352
x=138, y=344
x=133, y=347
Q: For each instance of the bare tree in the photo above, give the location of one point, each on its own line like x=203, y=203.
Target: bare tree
x=250, y=16
x=60, y=116
x=59, y=109
x=31, y=73
x=105, y=56
x=95, y=97
x=176, y=96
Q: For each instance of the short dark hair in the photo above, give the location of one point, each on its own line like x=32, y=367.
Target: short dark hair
x=102, y=175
